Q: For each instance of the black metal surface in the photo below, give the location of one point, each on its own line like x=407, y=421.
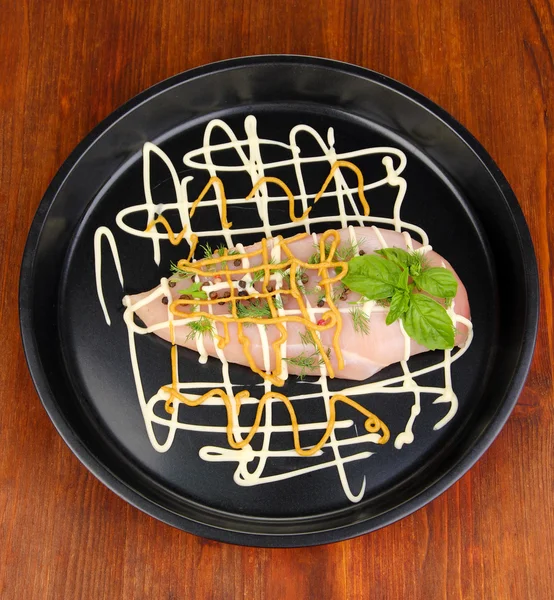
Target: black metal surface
x=81, y=367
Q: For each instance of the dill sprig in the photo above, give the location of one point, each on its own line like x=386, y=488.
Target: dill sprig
x=221, y=253
x=200, y=327
x=307, y=338
x=256, y=309
x=337, y=292
x=360, y=320
x=178, y=271
x=260, y=274
x=278, y=302
x=348, y=251
x=307, y=362
x=217, y=253
x=343, y=253
x=208, y=252
x=298, y=274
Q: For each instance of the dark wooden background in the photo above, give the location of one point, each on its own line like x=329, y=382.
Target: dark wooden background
x=64, y=66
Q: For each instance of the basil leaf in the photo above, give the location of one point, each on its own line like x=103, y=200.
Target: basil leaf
x=403, y=280
x=372, y=276
x=195, y=291
x=396, y=255
x=438, y=281
x=428, y=323
x=399, y=304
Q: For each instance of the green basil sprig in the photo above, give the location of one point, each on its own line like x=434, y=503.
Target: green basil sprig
x=396, y=276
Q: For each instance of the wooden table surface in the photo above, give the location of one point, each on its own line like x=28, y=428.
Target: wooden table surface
x=66, y=65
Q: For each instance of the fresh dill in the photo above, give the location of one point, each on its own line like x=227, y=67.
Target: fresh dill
x=360, y=320
x=221, y=249
x=307, y=338
x=256, y=309
x=178, y=271
x=343, y=253
x=307, y=362
x=208, y=252
x=260, y=273
x=278, y=302
x=200, y=327
x=348, y=251
x=315, y=258
x=338, y=292
x=300, y=276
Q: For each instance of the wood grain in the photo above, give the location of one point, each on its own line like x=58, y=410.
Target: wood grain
x=64, y=65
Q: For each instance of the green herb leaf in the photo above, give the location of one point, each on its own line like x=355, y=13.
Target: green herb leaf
x=399, y=304
x=257, y=309
x=360, y=320
x=428, y=323
x=307, y=338
x=438, y=281
x=372, y=276
x=396, y=255
x=195, y=291
x=307, y=362
x=402, y=283
x=202, y=326
x=418, y=263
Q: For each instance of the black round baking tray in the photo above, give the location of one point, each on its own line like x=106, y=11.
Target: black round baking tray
x=456, y=193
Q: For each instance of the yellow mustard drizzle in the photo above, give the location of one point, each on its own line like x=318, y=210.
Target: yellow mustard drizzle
x=174, y=239
x=331, y=318
x=213, y=181
x=216, y=182
x=372, y=423
x=359, y=175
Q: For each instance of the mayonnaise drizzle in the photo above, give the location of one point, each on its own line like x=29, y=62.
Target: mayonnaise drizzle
x=249, y=152
x=104, y=232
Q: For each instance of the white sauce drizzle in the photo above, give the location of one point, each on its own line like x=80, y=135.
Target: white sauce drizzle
x=249, y=152
x=100, y=233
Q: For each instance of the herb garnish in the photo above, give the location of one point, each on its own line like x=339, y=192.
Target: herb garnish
x=178, y=271
x=195, y=291
x=256, y=309
x=360, y=320
x=307, y=362
x=203, y=326
x=394, y=275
